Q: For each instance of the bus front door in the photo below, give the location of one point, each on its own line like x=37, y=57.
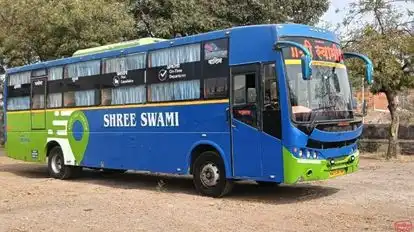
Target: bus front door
x=38, y=104
x=244, y=124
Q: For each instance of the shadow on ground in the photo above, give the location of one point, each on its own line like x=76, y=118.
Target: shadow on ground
x=247, y=191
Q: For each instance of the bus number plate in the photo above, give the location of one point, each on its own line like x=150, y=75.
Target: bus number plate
x=338, y=172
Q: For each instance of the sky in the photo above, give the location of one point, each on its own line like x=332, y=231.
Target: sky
x=334, y=18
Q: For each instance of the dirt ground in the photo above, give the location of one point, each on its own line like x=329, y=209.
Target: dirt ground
x=380, y=194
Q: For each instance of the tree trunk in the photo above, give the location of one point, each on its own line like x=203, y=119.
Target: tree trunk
x=395, y=123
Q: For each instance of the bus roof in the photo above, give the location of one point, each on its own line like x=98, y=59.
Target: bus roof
x=108, y=52
x=115, y=46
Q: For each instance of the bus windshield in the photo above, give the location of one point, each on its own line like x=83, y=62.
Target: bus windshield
x=327, y=96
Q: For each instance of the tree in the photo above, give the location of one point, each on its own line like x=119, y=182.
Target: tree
x=388, y=40
x=39, y=30
x=169, y=18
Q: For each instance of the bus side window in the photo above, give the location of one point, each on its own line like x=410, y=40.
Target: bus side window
x=244, y=98
x=106, y=97
x=271, y=109
x=69, y=99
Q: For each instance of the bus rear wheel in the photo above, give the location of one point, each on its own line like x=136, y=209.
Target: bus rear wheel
x=57, y=168
x=210, y=176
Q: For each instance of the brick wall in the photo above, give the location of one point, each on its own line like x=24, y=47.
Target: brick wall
x=379, y=101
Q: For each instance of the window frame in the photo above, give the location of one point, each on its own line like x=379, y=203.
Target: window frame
x=125, y=56
x=66, y=69
x=61, y=81
x=126, y=104
x=149, y=53
x=200, y=77
x=227, y=69
x=34, y=79
x=97, y=92
x=25, y=109
x=201, y=59
x=205, y=97
x=170, y=101
x=144, y=84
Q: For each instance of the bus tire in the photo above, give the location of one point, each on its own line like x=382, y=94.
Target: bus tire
x=57, y=168
x=209, y=175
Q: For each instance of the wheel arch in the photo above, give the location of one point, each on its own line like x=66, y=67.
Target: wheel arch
x=205, y=145
x=49, y=145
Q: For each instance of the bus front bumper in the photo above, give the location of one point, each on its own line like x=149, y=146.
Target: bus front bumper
x=298, y=170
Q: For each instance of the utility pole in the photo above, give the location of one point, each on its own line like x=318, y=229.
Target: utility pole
x=2, y=138
x=363, y=98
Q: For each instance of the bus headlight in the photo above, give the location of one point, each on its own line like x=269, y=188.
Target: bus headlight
x=303, y=153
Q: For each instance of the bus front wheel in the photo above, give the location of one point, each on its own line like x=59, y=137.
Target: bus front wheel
x=56, y=165
x=210, y=176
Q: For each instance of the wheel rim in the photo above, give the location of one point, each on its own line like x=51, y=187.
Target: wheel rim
x=57, y=163
x=209, y=175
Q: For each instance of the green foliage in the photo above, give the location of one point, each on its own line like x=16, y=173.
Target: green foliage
x=387, y=40
x=386, y=36
x=47, y=29
x=168, y=18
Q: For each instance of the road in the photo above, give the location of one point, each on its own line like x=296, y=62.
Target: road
x=372, y=199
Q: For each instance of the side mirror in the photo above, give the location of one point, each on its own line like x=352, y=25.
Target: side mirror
x=306, y=59
x=369, y=67
x=306, y=64
x=251, y=95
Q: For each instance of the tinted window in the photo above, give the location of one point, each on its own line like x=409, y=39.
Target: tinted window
x=215, y=49
x=38, y=101
x=123, y=95
x=216, y=88
x=18, y=103
x=175, y=91
x=19, y=78
x=82, y=69
x=239, y=89
x=176, y=55
x=54, y=100
x=123, y=64
x=55, y=73
x=80, y=98
x=39, y=72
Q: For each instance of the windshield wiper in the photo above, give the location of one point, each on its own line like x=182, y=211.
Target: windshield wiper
x=314, y=114
x=311, y=125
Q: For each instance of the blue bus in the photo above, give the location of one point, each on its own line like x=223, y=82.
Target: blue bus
x=268, y=103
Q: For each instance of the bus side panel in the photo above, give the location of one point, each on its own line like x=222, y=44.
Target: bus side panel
x=23, y=143
x=150, y=142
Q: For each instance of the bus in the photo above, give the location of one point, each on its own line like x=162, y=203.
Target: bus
x=266, y=103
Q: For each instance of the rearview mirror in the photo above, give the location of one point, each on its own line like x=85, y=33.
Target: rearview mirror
x=369, y=67
x=306, y=64
x=306, y=59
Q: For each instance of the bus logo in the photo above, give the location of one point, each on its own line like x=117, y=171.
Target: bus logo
x=403, y=226
x=38, y=83
x=215, y=60
x=162, y=75
x=115, y=81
